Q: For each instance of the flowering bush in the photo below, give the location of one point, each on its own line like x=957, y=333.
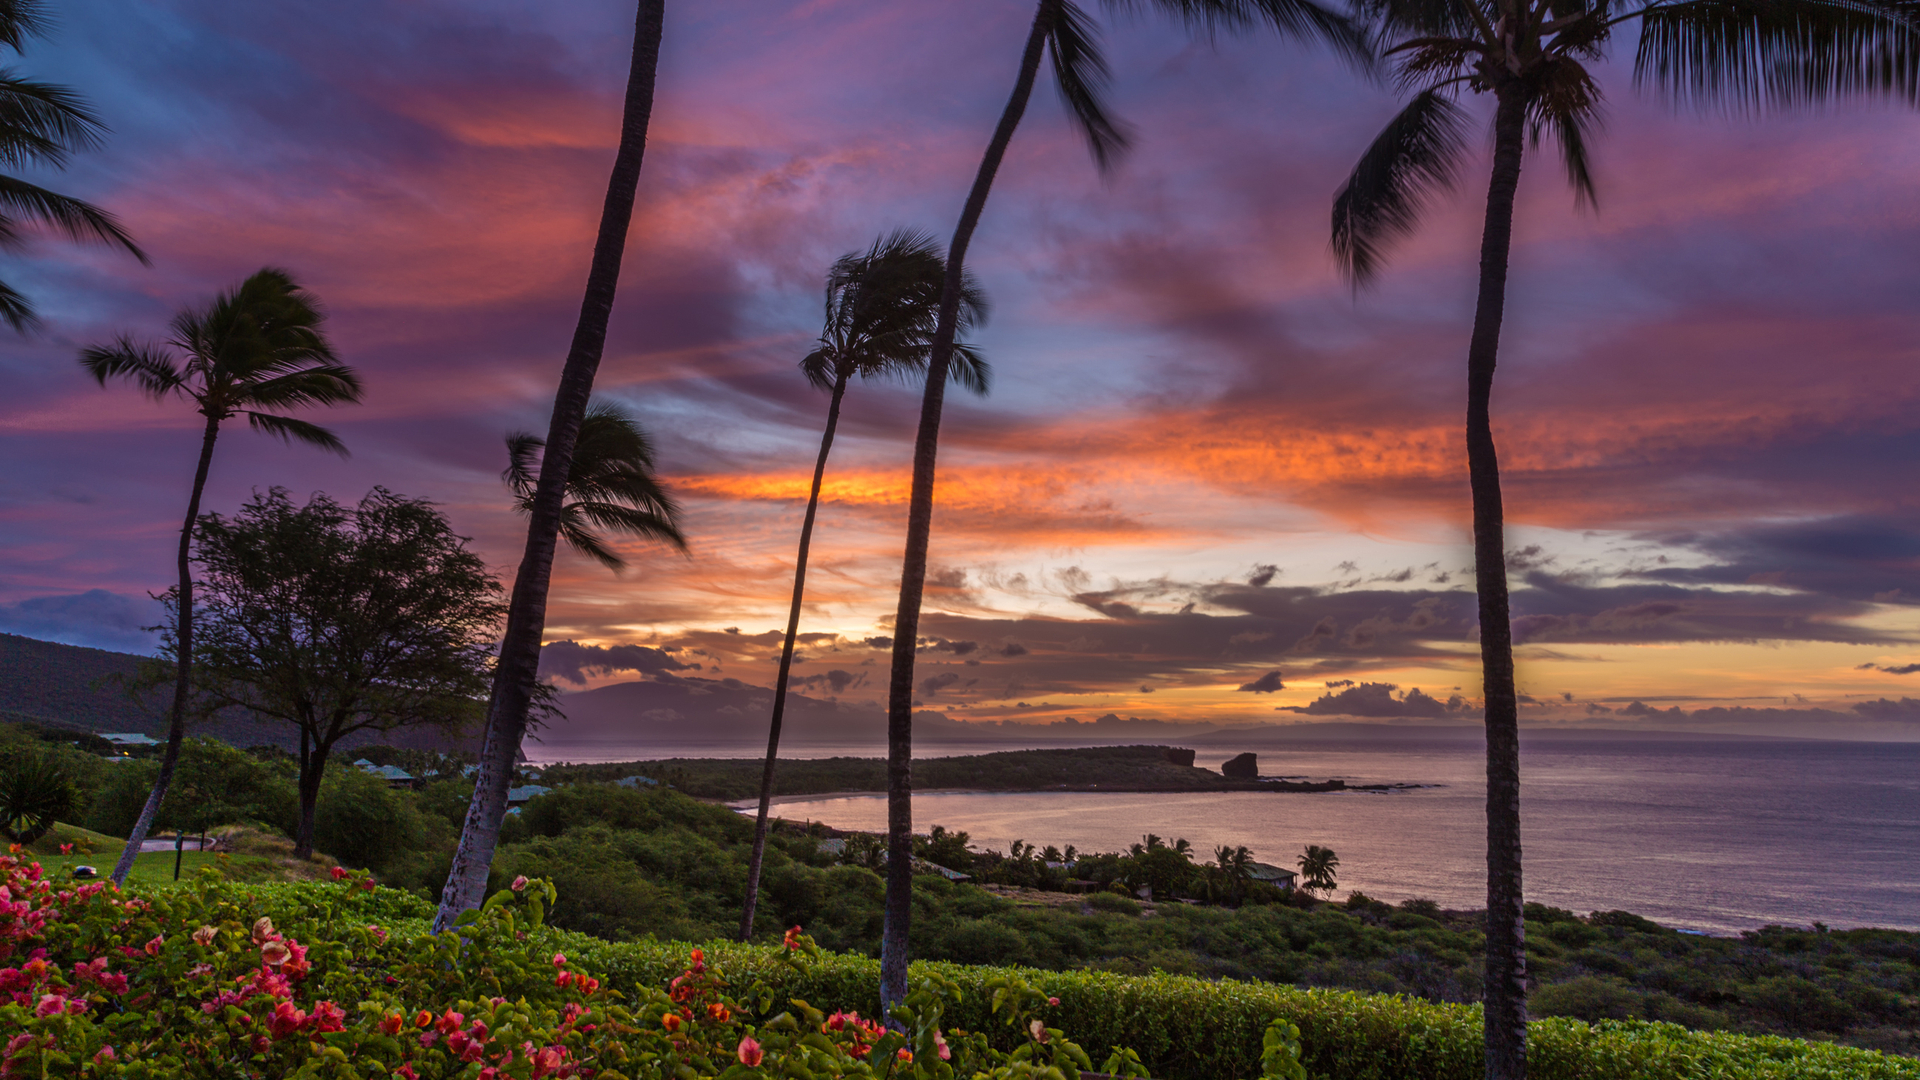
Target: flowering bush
x=198, y=982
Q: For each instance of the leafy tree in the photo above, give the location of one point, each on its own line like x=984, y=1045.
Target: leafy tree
x=35, y=793
x=610, y=485
x=1062, y=30
x=43, y=124
x=516, y=679
x=214, y=785
x=339, y=620
x=255, y=351
x=1317, y=867
x=1531, y=57
x=881, y=309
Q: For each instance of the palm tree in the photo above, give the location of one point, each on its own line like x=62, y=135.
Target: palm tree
x=1063, y=31
x=1317, y=866
x=516, y=676
x=1531, y=55
x=255, y=351
x=610, y=485
x=43, y=124
x=881, y=308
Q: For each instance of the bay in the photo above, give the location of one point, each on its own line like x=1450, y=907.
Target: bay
x=1715, y=835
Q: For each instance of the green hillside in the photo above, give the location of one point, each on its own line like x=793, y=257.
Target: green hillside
x=68, y=686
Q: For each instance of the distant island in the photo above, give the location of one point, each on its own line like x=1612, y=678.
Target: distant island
x=1100, y=768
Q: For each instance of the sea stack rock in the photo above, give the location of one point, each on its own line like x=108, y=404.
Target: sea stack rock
x=1178, y=756
x=1244, y=767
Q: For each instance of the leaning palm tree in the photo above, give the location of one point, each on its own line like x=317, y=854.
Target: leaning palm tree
x=256, y=351
x=881, y=310
x=610, y=485
x=43, y=124
x=1064, y=32
x=1531, y=56
x=516, y=676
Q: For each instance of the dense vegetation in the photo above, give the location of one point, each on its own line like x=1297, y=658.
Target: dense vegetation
x=340, y=979
x=649, y=862
x=1095, y=768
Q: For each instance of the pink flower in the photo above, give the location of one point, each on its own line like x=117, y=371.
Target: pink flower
x=367, y=884
x=946, y=1052
x=104, y=1055
x=66, y=849
x=274, y=953
x=50, y=1005
x=519, y=883
x=560, y=959
x=329, y=1017
x=748, y=1052
x=286, y=1020
x=1053, y=1001
x=406, y=1071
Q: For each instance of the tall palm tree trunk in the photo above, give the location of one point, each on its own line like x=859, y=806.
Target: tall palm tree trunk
x=519, y=666
x=1506, y=979
x=913, y=571
x=786, y=664
x=183, y=664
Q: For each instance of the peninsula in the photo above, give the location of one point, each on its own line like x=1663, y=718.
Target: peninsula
x=1100, y=768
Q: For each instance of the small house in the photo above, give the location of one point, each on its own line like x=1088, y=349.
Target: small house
x=520, y=796
x=637, y=782
x=394, y=775
x=1277, y=876
x=126, y=739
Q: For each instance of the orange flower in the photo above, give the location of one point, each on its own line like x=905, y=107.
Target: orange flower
x=905, y=1055
x=423, y=1018
x=392, y=1023
x=719, y=1013
x=670, y=1021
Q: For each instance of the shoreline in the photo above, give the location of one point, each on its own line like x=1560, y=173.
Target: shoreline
x=1291, y=788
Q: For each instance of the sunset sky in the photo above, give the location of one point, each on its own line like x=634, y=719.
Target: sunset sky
x=1205, y=458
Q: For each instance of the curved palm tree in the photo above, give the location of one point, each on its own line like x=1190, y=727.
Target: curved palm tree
x=255, y=351
x=881, y=308
x=1063, y=31
x=43, y=124
x=516, y=677
x=1317, y=867
x=1531, y=56
x=610, y=485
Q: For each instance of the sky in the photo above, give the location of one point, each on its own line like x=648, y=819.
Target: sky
x=1212, y=481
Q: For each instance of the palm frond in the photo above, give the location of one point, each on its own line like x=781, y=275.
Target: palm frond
x=1756, y=55
x=44, y=123
x=649, y=524
x=588, y=543
x=819, y=368
x=20, y=20
x=78, y=219
x=1417, y=155
x=1567, y=100
x=325, y=384
x=290, y=430
x=16, y=309
x=523, y=469
x=1080, y=73
x=146, y=366
x=971, y=370
x=1397, y=19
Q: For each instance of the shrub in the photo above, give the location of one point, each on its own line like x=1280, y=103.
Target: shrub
x=363, y=822
x=196, y=982
x=1114, y=902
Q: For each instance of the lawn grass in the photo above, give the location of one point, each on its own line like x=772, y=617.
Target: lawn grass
x=258, y=858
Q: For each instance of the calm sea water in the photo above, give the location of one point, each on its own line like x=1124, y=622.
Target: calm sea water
x=1712, y=835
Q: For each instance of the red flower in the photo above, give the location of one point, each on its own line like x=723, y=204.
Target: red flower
x=406, y=1071
x=153, y=947
x=792, y=940
x=563, y=979
x=719, y=1012
x=329, y=1017
x=391, y=1024
x=339, y=872
x=286, y=1020
x=422, y=1018
x=367, y=884
x=670, y=1021
x=450, y=1021
x=559, y=960
x=748, y=1052
x=66, y=849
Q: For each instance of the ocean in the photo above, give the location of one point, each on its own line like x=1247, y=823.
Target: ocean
x=1710, y=834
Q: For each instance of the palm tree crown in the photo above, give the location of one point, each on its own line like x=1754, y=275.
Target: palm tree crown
x=255, y=351
x=882, y=306
x=43, y=124
x=610, y=485
x=1750, y=53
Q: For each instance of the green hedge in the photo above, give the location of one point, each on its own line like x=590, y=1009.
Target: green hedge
x=1194, y=1029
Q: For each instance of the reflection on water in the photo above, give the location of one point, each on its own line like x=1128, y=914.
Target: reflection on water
x=1718, y=836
